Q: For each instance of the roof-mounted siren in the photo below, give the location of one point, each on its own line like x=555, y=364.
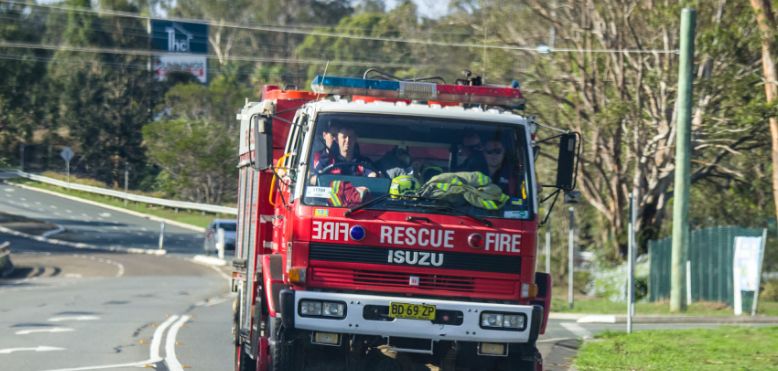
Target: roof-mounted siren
x=502, y=96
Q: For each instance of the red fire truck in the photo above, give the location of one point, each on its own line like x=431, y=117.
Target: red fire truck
x=387, y=224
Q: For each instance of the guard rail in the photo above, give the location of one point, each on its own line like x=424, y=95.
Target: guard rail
x=132, y=197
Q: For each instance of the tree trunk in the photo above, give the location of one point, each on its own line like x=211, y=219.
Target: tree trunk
x=766, y=20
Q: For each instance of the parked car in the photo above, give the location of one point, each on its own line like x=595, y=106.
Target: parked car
x=229, y=226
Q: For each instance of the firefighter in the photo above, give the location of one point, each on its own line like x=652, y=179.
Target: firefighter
x=348, y=151
x=496, y=167
x=330, y=136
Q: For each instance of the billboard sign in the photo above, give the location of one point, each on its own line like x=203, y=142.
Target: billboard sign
x=179, y=37
x=163, y=64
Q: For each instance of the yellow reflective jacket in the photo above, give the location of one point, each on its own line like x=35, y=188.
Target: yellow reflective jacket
x=475, y=187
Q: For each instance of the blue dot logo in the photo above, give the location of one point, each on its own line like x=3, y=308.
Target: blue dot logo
x=357, y=233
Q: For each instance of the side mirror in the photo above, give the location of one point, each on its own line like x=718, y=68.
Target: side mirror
x=536, y=152
x=567, y=166
x=263, y=142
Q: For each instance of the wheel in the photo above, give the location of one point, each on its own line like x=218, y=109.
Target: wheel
x=529, y=359
x=242, y=360
x=283, y=357
x=284, y=353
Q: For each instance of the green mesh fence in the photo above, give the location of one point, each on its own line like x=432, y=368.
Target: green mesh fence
x=711, y=255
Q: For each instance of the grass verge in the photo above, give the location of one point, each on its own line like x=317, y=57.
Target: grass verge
x=724, y=348
x=184, y=216
x=603, y=306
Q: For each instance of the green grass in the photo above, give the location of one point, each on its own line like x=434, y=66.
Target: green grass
x=724, y=348
x=189, y=217
x=602, y=306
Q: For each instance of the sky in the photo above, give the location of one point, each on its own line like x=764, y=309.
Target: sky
x=427, y=8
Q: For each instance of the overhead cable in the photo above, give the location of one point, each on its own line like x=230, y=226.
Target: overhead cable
x=541, y=49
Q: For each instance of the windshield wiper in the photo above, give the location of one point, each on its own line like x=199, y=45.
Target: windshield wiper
x=381, y=198
x=462, y=212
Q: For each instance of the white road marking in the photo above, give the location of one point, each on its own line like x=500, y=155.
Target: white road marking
x=156, y=341
x=73, y=275
x=170, y=346
x=105, y=215
x=26, y=206
x=22, y=199
x=40, y=348
x=68, y=211
x=8, y=189
x=576, y=329
x=121, y=270
x=598, y=319
x=144, y=229
x=57, y=214
x=53, y=206
x=53, y=329
x=73, y=318
x=37, y=202
x=82, y=214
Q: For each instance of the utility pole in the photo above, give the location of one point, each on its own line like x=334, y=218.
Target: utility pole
x=682, y=162
x=571, y=242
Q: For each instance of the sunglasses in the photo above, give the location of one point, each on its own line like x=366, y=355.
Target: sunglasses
x=496, y=151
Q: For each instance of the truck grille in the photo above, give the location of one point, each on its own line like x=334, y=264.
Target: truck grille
x=429, y=284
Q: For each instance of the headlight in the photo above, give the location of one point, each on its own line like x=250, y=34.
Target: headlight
x=491, y=320
x=513, y=321
x=507, y=321
x=310, y=308
x=333, y=309
x=314, y=308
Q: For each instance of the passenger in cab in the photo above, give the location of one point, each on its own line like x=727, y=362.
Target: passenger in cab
x=496, y=165
x=472, y=151
x=348, y=152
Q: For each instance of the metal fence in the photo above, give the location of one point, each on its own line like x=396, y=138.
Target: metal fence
x=133, y=197
x=710, y=256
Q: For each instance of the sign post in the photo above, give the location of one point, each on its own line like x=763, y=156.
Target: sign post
x=67, y=155
x=748, y=252
x=571, y=242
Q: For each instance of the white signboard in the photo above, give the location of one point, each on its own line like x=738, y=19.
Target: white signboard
x=198, y=66
x=67, y=154
x=746, y=267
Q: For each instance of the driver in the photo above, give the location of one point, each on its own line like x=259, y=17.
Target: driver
x=348, y=152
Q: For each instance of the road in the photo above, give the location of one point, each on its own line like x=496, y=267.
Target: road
x=67, y=309
x=96, y=225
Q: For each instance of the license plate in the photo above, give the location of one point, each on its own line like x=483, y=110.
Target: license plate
x=412, y=311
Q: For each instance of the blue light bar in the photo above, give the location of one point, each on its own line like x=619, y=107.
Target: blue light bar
x=351, y=86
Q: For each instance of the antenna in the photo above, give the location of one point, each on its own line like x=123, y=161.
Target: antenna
x=324, y=76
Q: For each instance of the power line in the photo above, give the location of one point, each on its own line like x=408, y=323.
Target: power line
x=148, y=53
x=539, y=49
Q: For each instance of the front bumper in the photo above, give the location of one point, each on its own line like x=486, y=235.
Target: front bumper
x=355, y=322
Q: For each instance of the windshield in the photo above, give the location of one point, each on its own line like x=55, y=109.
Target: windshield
x=431, y=165
x=228, y=227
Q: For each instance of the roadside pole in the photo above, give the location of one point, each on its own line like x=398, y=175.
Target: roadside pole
x=126, y=176
x=682, y=161
x=162, y=235
x=68, y=171
x=630, y=268
x=220, y=242
x=759, y=272
x=571, y=258
x=21, y=156
x=548, y=249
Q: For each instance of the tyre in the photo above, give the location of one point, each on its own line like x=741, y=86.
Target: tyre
x=283, y=357
x=242, y=360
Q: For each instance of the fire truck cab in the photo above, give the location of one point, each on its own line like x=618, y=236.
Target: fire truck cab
x=388, y=225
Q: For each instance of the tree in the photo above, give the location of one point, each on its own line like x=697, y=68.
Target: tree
x=623, y=100
x=766, y=21
x=196, y=142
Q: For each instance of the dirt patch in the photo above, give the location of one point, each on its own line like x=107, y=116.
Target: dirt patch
x=25, y=225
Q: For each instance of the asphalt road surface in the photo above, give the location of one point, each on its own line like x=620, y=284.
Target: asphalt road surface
x=96, y=225
x=75, y=309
